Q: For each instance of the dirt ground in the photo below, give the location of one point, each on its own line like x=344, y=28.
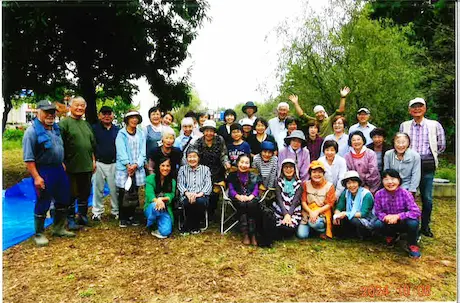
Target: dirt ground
x=108, y=264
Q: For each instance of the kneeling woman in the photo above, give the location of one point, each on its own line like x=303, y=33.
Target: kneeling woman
x=318, y=199
x=288, y=208
x=194, y=184
x=397, y=212
x=160, y=188
x=353, y=212
x=243, y=189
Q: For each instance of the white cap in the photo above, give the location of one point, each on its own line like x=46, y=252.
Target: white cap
x=282, y=104
x=415, y=101
x=208, y=124
x=246, y=121
x=363, y=109
x=187, y=121
x=318, y=108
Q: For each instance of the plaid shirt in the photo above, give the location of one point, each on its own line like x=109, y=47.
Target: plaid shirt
x=420, y=139
x=401, y=203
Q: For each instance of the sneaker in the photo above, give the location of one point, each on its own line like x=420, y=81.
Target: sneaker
x=97, y=218
x=157, y=234
x=196, y=232
x=124, y=223
x=419, y=239
x=135, y=222
x=392, y=240
x=414, y=252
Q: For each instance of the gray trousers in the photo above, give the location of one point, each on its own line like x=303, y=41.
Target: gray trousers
x=104, y=172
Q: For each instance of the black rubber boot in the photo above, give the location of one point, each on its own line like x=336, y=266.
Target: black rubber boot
x=40, y=238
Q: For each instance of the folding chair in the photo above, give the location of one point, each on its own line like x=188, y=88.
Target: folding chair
x=231, y=220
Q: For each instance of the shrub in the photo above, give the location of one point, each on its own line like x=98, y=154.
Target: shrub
x=13, y=135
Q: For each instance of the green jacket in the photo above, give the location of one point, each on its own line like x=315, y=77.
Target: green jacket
x=150, y=194
x=366, y=207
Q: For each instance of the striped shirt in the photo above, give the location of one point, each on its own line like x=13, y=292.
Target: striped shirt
x=419, y=138
x=268, y=170
x=194, y=180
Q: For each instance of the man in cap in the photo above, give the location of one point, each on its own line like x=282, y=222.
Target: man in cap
x=44, y=157
x=427, y=137
x=276, y=126
x=105, y=133
x=250, y=108
x=324, y=121
x=79, y=158
x=363, y=125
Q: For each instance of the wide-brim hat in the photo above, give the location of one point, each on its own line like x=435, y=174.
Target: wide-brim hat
x=249, y=104
x=296, y=134
x=132, y=114
x=351, y=175
x=208, y=124
x=289, y=161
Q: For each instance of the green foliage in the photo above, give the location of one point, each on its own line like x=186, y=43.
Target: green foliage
x=13, y=135
x=374, y=60
x=433, y=27
x=194, y=105
x=112, y=42
x=446, y=170
x=87, y=293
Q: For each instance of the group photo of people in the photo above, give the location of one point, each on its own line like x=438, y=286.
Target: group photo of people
x=292, y=175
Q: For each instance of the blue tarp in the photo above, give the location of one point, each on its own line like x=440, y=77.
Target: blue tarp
x=18, y=212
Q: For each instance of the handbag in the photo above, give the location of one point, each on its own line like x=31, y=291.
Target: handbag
x=131, y=196
x=428, y=165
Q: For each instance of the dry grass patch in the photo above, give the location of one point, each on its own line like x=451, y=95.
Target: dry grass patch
x=108, y=264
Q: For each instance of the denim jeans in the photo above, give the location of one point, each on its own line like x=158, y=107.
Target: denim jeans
x=162, y=218
x=303, y=231
x=426, y=190
x=408, y=225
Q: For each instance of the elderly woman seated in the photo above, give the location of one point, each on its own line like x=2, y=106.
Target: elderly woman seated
x=194, y=184
x=353, y=214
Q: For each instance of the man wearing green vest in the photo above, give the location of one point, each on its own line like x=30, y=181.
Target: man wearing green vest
x=324, y=121
x=79, y=159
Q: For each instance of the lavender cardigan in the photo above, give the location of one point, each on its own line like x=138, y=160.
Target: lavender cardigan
x=303, y=161
x=367, y=169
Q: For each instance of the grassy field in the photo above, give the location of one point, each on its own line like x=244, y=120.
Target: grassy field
x=108, y=264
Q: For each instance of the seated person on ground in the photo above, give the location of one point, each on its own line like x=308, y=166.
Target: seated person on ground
x=318, y=199
x=288, y=208
x=160, y=188
x=353, y=214
x=397, y=212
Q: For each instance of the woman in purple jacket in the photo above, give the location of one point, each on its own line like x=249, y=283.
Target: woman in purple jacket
x=364, y=161
x=296, y=150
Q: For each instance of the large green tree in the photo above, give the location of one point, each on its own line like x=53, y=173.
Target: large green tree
x=375, y=61
x=433, y=24
x=87, y=44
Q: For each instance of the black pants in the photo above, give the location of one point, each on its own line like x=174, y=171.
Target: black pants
x=125, y=211
x=194, y=213
x=247, y=212
x=80, y=188
x=351, y=229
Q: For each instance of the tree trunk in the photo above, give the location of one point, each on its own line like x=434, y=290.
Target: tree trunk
x=87, y=88
x=7, y=108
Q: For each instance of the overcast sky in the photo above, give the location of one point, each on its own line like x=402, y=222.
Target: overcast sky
x=235, y=53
